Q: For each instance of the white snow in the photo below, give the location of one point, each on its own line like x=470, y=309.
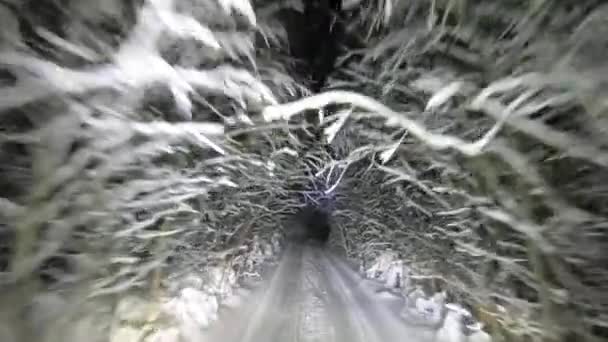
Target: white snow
x=276, y=242
x=431, y=308
x=189, y=280
x=420, y=308
x=453, y=327
x=381, y=265
x=443, y=95
x=242, y=6
x=220, y=281
x=394, y=274
x=390, y=270
x=193, y=311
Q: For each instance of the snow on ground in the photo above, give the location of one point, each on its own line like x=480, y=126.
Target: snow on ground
x=453, y=323
x=192, y=301
x=390, y=270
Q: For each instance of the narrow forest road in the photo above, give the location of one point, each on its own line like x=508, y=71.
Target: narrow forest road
x=315, y=296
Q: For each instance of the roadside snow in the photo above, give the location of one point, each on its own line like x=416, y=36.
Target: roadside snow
x=450, y=322
x=191, y=302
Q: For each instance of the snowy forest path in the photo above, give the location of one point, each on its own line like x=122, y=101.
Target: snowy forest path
x=314, y=295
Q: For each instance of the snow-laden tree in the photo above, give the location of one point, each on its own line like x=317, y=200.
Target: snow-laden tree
x=144, y=139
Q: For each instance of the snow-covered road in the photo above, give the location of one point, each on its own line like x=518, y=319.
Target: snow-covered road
x=316, y=296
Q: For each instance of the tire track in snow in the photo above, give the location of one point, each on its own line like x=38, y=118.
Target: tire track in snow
x=377, y=315
x=314, y=296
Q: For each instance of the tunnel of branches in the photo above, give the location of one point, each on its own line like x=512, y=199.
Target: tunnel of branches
x=467, y=138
